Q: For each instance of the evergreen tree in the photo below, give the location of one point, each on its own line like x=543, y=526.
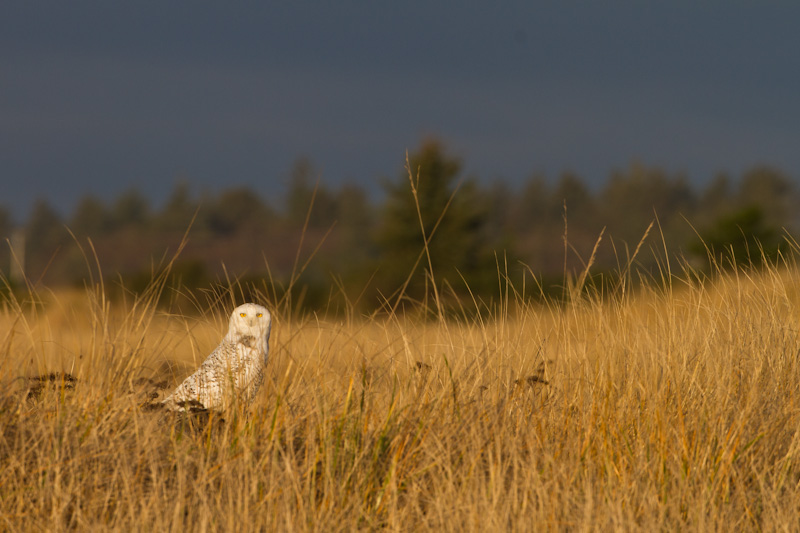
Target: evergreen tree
x=178, y=210
x=500, y=211
x=581, y=206
x=45, y=234
x=744, y=237
x=353, y=215
x=6, y=224
x=633, y=198
x=238, y=209
x=530, y=209
x=303, y=187
x=45, y=229
x=770, y=190
x=456, y=245
x=91, y=218
x=715, y=199
x=131, y=210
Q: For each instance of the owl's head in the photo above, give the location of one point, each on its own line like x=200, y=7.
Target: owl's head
x=250, y=319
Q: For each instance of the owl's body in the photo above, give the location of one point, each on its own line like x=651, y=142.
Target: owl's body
x=235, y=369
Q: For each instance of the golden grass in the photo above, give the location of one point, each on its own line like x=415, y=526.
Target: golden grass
x=671, y=409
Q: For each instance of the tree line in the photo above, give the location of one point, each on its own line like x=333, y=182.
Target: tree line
x=433, y=223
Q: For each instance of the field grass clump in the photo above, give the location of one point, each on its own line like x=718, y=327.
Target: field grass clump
x=675, y=408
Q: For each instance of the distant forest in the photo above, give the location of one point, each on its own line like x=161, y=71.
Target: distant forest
x=336, y=242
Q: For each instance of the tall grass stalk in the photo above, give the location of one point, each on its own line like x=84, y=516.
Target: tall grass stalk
x=651, y=409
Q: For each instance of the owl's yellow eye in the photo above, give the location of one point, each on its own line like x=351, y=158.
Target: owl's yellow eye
x=258, y=315
x=242, y=314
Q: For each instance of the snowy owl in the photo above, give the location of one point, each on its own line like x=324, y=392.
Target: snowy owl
x=234, y=370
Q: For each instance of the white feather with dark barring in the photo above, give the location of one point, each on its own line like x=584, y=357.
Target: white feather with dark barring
x=235, y=369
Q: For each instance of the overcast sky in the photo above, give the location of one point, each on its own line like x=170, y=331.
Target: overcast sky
x=98, y=97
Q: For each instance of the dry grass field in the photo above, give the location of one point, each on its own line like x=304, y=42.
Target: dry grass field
x=672, y=408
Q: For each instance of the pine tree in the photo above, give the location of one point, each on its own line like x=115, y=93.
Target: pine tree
x=91, y=218
x=456, y=244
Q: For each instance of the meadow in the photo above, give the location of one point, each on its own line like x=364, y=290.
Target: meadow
x=674, y=406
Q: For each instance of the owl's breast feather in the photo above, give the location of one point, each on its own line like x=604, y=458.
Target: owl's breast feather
x=247, y=340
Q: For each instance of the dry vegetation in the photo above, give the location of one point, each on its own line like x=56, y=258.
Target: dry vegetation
x=669, y=409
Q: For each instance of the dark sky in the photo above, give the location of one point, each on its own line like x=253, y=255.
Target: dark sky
x=98, y=97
